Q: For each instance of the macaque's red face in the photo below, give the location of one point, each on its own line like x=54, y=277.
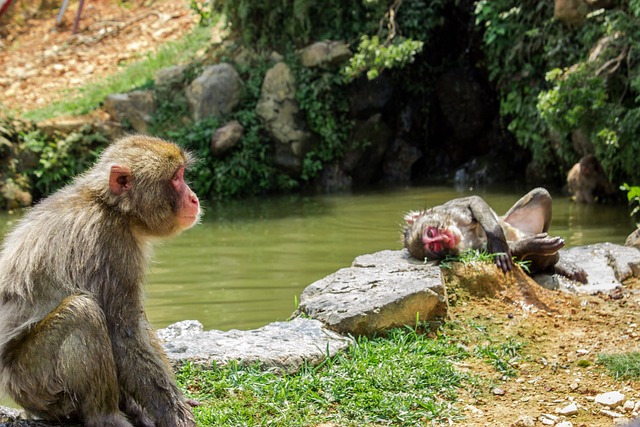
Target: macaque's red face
x=439, y=242
x=188, y=207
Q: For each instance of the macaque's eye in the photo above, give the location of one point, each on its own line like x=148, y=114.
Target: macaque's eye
x=432, y=247
x=178, y=176
x=429, y=232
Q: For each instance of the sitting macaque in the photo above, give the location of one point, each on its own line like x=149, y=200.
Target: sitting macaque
x=586, y=181
x=75, y=343
x=469, y=223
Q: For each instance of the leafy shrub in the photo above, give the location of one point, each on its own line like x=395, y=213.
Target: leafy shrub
x=59, y=160
x=548, y=82
x=373, y=58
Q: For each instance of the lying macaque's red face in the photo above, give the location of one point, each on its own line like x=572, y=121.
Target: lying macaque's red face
x=439, y=242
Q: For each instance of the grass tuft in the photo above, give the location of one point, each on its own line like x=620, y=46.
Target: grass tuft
x=624, y=366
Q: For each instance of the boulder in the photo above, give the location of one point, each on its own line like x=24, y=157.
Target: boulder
x=13, y=196
x=571, y=12
x=333, y=179
x=135, y=108
x=398, y=161
x=278, y=110
x=170, y=77
x=607, y=265
x=281, y=345
x=96, y=121
x=463, y=103
x=378, y=292
x=215, y=92
x=324, y=53
x=372, y=138
x=10, y=417
x=367, y=97
x=226, y=137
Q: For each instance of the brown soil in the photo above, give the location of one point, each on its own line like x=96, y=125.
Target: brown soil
x=563, y=333
x=39, y=62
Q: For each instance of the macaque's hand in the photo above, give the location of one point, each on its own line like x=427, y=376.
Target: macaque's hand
x=500, y=249
x=193, y=403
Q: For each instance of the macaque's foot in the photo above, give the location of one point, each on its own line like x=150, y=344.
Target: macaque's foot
x=539, y=244
x=571, y=271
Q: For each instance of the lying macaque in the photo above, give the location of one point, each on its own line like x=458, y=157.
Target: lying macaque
x=469, y=223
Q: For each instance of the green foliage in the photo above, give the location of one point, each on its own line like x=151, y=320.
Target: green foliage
x=633, y=195
x=404, y=379
x=320, y=96
x=577, y=101
x=205, y=10
x=470, y=256
x=279, y=23
x=59, y=160
x=373, y=58
x=244, y=171
x=601, y=101
x=548, y=82
x=417, y=19
x=625, y=366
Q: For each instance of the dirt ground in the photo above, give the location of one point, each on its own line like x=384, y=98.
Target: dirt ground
x=563, y=334
x=38, y=62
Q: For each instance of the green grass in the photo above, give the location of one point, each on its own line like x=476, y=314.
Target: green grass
x=624, y=366
x=135, y=75
x=471, y=256
x=503, y=356
x=405, y=379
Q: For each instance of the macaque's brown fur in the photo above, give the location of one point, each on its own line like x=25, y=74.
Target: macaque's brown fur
x=74, y=339
x=586, y=181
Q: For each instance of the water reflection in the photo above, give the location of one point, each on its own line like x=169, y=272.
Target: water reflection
x=246, y=263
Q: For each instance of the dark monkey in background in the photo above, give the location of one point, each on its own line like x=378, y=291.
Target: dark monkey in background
x=469, y=223
x=75, y=342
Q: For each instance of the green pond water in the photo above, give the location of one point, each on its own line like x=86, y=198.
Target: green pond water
x=248, y=261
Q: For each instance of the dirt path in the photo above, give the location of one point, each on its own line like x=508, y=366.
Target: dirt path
x=38, y=61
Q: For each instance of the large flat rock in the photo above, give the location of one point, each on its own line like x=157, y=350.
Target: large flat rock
x=379, y=291
x=607, y=266
x=281, y=345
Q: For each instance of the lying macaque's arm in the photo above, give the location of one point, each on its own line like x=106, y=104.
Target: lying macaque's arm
x=496, y=242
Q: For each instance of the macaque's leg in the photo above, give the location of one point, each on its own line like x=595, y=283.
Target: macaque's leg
x=134, y=411
x=532, y=213
x=63, y=367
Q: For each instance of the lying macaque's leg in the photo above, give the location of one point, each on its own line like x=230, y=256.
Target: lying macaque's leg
x=532, y=213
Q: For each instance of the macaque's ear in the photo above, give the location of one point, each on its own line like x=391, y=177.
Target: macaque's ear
x=411, y=217
x=119, y=179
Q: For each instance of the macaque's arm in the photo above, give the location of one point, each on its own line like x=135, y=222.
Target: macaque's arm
x=496, y=242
